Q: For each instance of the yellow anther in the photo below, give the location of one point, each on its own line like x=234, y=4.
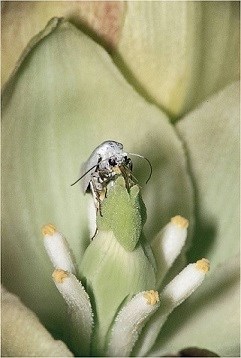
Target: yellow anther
x=203, y=265
x=48, y=229
x=59, y=275
x=152, y=297
x=180, y=221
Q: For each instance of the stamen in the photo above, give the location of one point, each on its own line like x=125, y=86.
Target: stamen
x=48, y=229
x=180, y=221
x=58, y=249
x=203, y=265
x=152, y=297
x=130, y=321
x=186, y=282
x=79, y=309
x=179, y=289
x=167, y=245
x=59, y=275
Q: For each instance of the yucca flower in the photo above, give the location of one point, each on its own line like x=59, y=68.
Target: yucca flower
x=64, y=98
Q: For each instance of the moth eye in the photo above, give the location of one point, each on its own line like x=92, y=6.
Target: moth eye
x=112, y=162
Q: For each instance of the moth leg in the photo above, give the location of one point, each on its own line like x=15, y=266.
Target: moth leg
x=125, y=176
x=96, y=193
x=95, y=233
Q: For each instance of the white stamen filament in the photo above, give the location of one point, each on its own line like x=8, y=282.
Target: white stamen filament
x=58, y=249
x=178, y=290
x=79, y=309
x=130, y=321
x=167, y=245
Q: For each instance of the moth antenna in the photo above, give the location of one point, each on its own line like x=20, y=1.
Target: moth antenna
x=94, y=166
x=84, y=174
x=148, y=161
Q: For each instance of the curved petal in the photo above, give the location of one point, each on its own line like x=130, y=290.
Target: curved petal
x=65, y=99
x=22, y=333
x=211, y=138
x=22, y=20
x=180, y=52
x=209, y=318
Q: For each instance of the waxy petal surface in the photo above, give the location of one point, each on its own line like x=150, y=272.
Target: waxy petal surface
x=65, y=98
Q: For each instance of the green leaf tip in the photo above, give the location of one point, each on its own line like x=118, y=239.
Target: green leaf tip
x=124, y=213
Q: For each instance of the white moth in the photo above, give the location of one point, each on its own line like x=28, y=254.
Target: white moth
x=105, y=164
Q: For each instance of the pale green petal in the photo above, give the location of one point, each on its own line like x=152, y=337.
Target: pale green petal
x=21, y=20
x=22, y=333
x=211, y=138
x=65, y=99
x=208, y=319
x=180, y=52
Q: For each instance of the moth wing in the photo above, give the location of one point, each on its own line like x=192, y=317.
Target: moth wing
x=90, y=163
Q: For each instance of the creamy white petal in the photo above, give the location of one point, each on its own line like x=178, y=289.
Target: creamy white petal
x=180, y=52
x=22, y=333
